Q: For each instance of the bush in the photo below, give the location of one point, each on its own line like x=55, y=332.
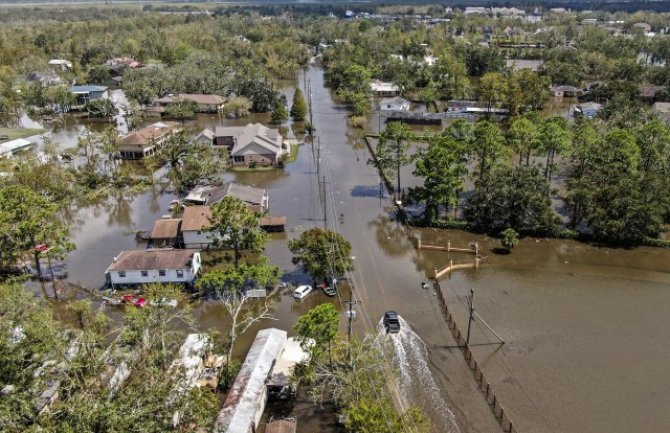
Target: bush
x=359, y=122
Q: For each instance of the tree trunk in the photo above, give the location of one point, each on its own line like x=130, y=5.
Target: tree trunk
x=236, y=254
x=38, y=266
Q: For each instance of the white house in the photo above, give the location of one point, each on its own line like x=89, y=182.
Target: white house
x=193, y=220
x=154, y=266
x=381, y=88
x=394, y=104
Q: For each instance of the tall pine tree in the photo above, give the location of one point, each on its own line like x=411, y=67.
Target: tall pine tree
x=299, y=107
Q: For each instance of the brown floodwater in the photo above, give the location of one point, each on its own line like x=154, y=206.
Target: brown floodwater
x=584, y=327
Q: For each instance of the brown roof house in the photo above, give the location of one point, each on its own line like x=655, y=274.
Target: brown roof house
x=206, y=103
x=154, y=266
x=146, y=141
x=166, y=232
x=251, y=144
x=193, y=221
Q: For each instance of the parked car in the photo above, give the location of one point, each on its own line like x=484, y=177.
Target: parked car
x=302, y=291
x=391, y=322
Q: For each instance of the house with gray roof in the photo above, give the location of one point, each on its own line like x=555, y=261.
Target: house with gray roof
x=251, y=144
x=394, y=104
x=87, y=93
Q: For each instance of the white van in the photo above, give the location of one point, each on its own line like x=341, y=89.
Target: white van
x=302, y=291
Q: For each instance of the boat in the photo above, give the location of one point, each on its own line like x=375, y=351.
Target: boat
x=163, y=302
x=329, y=290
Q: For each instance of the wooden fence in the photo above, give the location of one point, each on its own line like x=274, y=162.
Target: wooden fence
x=483, y=384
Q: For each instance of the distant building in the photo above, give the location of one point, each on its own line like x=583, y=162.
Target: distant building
x=648, y=93
x=458, y=105
x=381, y=88
x=588, y=109
x=394, y=104
x=474, y=10
x=206, y=136
x=205, y=103
x=146, y=141
x=45, y=79
x=88, y=93
x=533, y=65
x=12, y=147
x=567, y=91
x=643, y=27
x=61, y=63
x=154, y=266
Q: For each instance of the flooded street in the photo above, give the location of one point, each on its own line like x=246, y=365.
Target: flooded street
x=585, y=327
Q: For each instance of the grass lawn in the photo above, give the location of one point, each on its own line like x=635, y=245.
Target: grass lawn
x=14, y=133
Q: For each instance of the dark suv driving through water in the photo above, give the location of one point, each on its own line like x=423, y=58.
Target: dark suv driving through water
x=391, y=322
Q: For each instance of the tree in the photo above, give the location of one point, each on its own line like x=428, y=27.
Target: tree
x=489, y=146
x=101, y=108
x=235, y=227
x=28, y=219
x=322, y=253
x=299, y=107
x=231, y=287
x=523, y=137
x=279, y=113
x=391, y=151
x=442, y=167
x=511, y=197
x=317, y=329
x=492, y=88
x=181, y=110
x=510, y=238
x=555, y=137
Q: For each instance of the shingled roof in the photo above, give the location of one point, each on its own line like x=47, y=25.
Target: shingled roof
x=141, y=260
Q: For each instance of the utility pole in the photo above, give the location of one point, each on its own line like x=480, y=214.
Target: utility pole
x=318, y=156
x=309, y=99
x=324, y=204
x=471, y=318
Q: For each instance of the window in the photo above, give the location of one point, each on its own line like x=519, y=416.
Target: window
x=238, y=158
x=199, y=232
x=161, y=272
x=145, y=273
x=180, y=274
x=122, y=274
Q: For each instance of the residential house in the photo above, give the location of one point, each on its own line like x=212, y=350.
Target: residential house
x=533, y=65
x=394, y=104
x=474, y=10
x=165, y=232
x=256, y=199
x=381, y=88
x=61, y=63
x=12, y=147
x=588, y=109
x=251, y=144
x=193, y=221
x=205, y=103
x=206, y=136
x=644, y=28
x=567, y=91
x=146, y=141
x=154, y=266
x=45, y=79
x=648, y=92
x=662, y=111
x=87, y=93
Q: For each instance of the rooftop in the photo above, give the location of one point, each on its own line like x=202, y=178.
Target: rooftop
x=195, y=217
x=166, y=228
x=143, y=136
x=87, y=89
x=141, y=260
x=198, y=98
x=211, y=194
x=13, y=145
x=247, y=395
x=381, y=86
x=533, y=65
x=254, y=132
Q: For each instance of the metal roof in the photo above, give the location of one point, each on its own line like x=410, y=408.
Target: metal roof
x=246, y=399
x=152, y=259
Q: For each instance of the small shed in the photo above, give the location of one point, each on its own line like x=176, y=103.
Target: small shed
x=166, y=232
x=12, y=147
x=272, y=223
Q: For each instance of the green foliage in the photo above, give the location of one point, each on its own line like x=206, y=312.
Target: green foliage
x=237, y=279
x=317, y=329
x=101, y=108
x=391, y=150
x=516, y=197
x=509, y=238
x=279, y=113
x=181, y=110
x=299, y=107
x=322, y=253
x=235, y=226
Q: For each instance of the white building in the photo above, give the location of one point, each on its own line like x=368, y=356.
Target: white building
x=394, y=104
x=12, y=147
x=154, y=266
x=381, y=88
